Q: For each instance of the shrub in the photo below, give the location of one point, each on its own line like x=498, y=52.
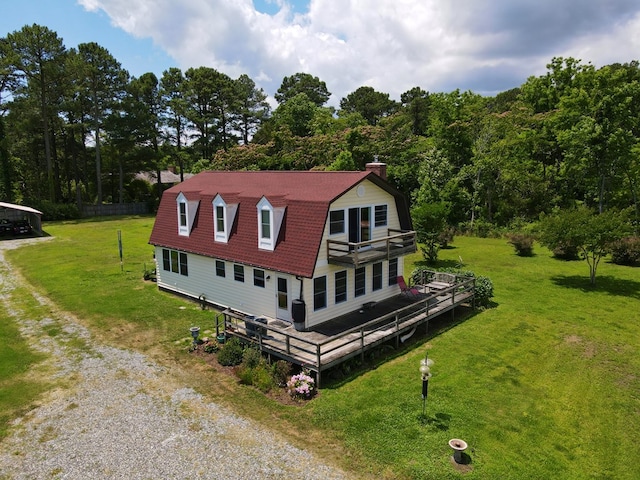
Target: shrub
x=626, y=251
x=262, y=378
x=301, y=385
x=280, y=372
x=231, y=353
x=523, y=243
x=255, y=371
x=566, y=252
x=251, y=357
x=484, y=285
x=211, y=347
x=484, y=291
x=56, y=211
x=445, y=238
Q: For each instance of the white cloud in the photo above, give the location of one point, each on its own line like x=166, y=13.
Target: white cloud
x=392, y=45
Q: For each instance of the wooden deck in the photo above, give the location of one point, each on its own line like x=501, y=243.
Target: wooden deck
x=338, y=340
x=350, y=254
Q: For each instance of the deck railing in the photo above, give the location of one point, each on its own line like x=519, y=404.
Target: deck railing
x=321, y=355
x=395, y=244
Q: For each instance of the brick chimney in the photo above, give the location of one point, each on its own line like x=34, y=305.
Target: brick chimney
x=378, y=168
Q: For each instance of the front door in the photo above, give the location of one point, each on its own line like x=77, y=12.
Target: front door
x=283, y=311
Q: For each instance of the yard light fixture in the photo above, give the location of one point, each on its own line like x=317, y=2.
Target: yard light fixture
x=425, y=372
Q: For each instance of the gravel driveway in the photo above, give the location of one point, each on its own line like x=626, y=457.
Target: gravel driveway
x=121, y=416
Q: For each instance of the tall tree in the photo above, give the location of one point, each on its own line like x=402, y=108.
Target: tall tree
x=34, y=56
x=598, y=129
x=252, y=107
x=314, y=88
x=136, y=128
x=210, y=98
x=372, y=105
x=296, y=114
x=103, y=82
x=6, y=167
x=416, y=104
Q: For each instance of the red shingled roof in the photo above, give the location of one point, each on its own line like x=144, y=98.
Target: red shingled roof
x=306, y=195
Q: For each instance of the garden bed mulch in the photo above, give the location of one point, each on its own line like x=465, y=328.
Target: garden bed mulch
x=278, y=394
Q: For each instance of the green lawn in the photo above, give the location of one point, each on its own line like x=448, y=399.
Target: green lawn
x=544, y=385
x=19, y=388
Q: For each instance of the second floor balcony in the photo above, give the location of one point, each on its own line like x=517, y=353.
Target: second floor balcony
x=396, y=244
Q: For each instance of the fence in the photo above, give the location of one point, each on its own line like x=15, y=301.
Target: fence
x=104, y=210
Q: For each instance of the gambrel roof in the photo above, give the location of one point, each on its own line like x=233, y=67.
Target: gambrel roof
x=305, y=195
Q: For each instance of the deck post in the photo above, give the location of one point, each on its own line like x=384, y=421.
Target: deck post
x=362, y=345
x=288, y=343
x=318, y=357
x=397, y=332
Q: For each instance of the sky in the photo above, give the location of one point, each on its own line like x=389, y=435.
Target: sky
x=486, y=46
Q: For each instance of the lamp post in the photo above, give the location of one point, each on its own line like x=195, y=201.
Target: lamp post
x=425, y=372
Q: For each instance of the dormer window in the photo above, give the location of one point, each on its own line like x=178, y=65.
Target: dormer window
x=269, y=222
x=186, y=214
x=223, y=217
x=265, y=225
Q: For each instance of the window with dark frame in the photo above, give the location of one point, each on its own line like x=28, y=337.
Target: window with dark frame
x=265, y=221
x=380, y=215
x=393, y=271
x=319, y=292
x=174, y=261
x=183, y=214
x=360, y=282
x=238, y=273
x=220, y=269
x=166, y=259
x=336, y=222
x=341, y=286
x=220, y=219
x=184, y=269
x=258, y=277
x=377, y=276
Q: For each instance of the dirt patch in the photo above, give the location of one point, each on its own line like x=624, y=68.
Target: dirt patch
x=590, y=349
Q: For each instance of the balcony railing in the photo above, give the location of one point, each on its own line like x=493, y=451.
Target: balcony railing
x=396, y=244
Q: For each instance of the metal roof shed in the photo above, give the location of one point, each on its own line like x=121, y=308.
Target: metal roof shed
x=13, y=212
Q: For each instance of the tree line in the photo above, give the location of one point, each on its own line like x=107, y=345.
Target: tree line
x=76, y=127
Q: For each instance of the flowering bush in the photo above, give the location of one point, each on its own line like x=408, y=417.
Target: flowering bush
x=301, y=386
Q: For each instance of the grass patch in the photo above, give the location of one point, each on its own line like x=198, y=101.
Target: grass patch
x=18, y=389
x=543, y=385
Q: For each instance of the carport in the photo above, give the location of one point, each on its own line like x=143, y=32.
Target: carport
x=14, y=212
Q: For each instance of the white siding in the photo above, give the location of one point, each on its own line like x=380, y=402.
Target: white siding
x=353, y=303
x=226, y=292
x=372, y=196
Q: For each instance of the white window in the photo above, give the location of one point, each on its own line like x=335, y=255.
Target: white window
x=223, y=216
x=269, y=221
x=186, y=214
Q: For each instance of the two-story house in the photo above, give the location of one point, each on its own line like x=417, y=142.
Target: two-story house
x=298, y=246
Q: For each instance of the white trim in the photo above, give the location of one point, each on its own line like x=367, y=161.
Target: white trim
x=276, y=216
x=229, y=216
x=191, y=208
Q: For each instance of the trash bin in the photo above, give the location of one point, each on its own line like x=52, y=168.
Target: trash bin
x=252, y=328
x=259, y=329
